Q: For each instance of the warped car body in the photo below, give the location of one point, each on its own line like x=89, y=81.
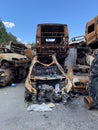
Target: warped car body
x=7, y=56
x=17, y=63
x=45, y=81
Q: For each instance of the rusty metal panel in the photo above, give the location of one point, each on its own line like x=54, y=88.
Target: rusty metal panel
x=91, y=33
x=52, y=39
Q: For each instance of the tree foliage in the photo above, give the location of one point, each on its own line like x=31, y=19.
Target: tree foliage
x=5, y=37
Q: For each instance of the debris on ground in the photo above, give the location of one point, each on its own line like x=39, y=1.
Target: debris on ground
x=51, y=105
x=13, y=85
x=39, y=107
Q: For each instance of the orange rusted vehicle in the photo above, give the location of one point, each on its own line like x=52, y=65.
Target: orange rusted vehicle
x=52, y=39
x=91, y=33
x=17, y=63
x=45, y=82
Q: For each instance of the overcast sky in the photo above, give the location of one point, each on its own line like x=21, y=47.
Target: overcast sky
x=22, y=16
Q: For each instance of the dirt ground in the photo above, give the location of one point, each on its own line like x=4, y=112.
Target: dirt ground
x=14, y=114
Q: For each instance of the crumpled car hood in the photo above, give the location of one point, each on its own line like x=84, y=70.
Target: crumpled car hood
x=12, y=55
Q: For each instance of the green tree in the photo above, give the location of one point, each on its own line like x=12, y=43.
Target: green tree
x=5, y=37
x=3, y=32
x=11, y=37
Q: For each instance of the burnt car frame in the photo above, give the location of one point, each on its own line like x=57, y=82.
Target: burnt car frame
x=11, y=58
x=45, y=81
x=17, y=63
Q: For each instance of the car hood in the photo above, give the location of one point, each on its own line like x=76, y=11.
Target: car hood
x=12, y=55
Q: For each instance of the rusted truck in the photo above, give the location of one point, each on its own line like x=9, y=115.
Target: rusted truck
x=52, y=39
x=91, y=33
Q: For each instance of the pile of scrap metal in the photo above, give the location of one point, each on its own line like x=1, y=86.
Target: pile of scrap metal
x=92, y=100
x=46, y=82
x=12, y=64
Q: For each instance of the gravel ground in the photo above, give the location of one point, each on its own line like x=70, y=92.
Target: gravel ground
x=14, y=115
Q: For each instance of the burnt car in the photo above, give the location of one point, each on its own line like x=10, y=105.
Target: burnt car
x=7, y=57
x=45, y=81
x=6, y=77
x=18, y=64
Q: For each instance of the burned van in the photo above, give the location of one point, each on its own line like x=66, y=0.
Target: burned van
x=52, y=39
